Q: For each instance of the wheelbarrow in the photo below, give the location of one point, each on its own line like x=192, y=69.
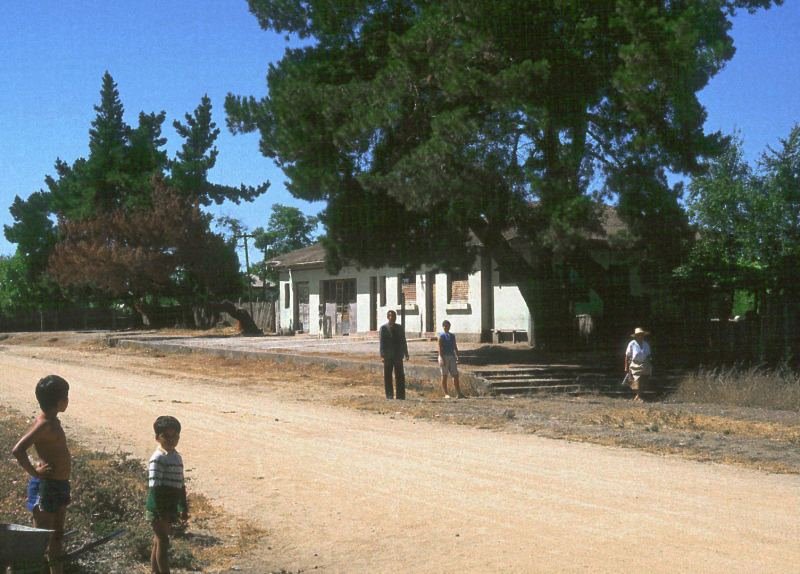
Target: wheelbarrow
x=23, y=547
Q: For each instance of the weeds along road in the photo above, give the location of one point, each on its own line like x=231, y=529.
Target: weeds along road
x=345, y=491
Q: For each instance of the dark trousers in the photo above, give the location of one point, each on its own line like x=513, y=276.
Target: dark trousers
x=399, y=377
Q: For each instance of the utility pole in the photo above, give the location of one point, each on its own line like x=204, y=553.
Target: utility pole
x=245, y=236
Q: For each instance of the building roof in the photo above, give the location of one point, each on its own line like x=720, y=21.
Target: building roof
x=314, y=255
x=611, y=221
x=311, y=256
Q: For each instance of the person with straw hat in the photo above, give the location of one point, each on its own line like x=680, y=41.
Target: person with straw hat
x=638, y=363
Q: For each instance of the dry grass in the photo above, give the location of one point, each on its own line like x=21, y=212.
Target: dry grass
x=749, y=418
x=755, y=387
x=754, y=438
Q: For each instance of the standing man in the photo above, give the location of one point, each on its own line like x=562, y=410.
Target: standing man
x=393, y=349
x=638, y=363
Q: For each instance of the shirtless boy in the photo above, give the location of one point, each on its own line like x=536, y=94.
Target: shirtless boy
x=48, y=489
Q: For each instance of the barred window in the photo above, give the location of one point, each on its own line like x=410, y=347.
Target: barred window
x=406, y=288
x=457, y=287
x=339, y=291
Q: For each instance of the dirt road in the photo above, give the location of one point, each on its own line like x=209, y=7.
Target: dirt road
x=344, y=491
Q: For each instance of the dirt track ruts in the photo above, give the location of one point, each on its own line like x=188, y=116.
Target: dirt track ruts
x=346, y=491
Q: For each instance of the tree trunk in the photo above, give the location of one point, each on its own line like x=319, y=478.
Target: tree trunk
x=544, y=295
x=246, y=324
x=143, y=313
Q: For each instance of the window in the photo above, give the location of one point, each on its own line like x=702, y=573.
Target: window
x=457, y=287
x=406, y=288
x=286, y=295
x=339, y=291
x=382, y=290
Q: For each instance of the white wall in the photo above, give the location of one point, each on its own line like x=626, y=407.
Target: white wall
x=362, y=277
x=286, y=315
x=510, y=310
x=465, y=318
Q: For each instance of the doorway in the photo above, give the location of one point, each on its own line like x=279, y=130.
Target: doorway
x=301, y=307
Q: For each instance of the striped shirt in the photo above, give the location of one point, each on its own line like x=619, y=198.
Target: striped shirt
x=166, y=494
x=165, y=469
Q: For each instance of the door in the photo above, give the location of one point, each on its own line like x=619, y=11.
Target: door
x=301, y=308
x=341, y=293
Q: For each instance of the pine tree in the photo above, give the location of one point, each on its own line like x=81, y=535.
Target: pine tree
x=424, y=123
x=109, y=138
x=197, y=157
x=116, y=234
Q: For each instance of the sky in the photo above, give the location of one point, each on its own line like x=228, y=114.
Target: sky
x=166, y=54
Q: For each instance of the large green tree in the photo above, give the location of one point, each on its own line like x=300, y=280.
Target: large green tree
x=723, y=206
x=198, y=155
x=780, y=245
x=748, y=222
x=122, y=180
x=421, y=123
x=137, y=255
x=34, y=232
x=287, y=229
x=24, y=284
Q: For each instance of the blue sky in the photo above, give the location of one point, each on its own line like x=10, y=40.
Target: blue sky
x=164, y=55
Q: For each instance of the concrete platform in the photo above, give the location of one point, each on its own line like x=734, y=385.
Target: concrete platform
x=357, y=352
x=564, y=373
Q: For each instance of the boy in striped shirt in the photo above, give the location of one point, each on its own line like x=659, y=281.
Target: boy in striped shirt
x=166, y=493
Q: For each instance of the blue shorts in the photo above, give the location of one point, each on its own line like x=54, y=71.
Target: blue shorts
x=48, y=495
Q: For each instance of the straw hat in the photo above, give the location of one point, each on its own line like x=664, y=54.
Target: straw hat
x=639, y=331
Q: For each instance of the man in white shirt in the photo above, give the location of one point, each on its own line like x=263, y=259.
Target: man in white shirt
x=638, y=363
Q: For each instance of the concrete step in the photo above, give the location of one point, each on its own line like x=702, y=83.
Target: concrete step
x=526, y=390
x=528, y=379
x=532, y=382
x=540, y=372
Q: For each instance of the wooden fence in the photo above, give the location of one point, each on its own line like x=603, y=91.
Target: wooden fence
x=73, y=319
x=263, y=313
x=695, y=340
x=83, y=319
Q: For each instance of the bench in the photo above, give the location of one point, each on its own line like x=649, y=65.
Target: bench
x=513, y=335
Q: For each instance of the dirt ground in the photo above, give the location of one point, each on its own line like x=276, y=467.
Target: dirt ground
x=337, y=479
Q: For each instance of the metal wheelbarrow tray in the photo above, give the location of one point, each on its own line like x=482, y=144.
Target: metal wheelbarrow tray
x=22, y=544
x=25, y=545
